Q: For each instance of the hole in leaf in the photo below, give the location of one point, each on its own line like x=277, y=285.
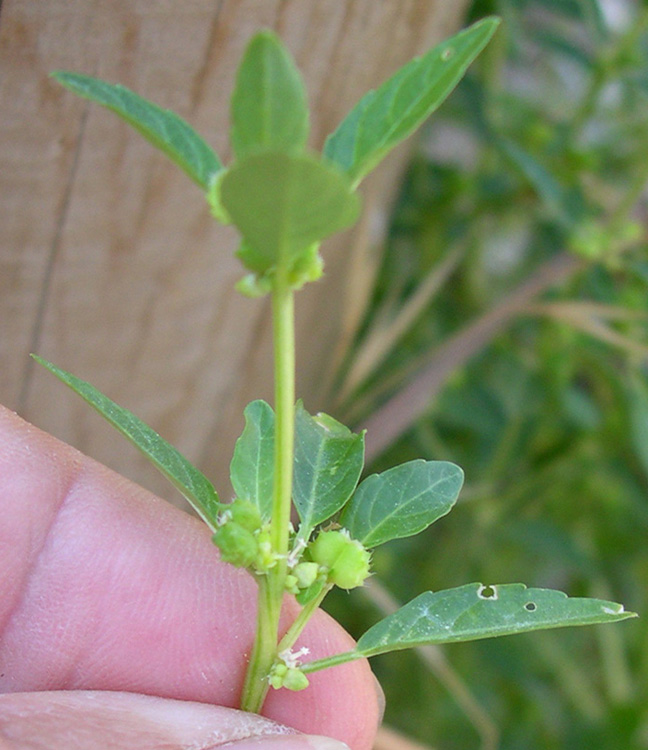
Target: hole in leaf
x=487, y=592
x=447, y=54
x=530, y=606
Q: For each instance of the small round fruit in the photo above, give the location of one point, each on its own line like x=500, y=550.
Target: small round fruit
x=246, y=514
x=295, y=679
x=346, y=559
x=305, y=574
x=237, y=545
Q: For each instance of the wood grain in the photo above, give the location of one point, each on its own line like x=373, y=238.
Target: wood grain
x=110, y=265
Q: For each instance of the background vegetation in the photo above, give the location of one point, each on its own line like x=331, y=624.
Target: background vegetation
x=514, y=291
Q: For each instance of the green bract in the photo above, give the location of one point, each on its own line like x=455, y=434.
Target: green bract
x=284, y=201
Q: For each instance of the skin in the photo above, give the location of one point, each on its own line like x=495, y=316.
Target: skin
x=108, y=588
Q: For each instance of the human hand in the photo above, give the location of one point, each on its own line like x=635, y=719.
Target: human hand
x=107, y=588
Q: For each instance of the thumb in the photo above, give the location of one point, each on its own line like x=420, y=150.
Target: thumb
x=102, y=720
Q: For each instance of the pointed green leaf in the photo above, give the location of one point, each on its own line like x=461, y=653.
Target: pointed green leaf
x=401, y=501
x=196, y=488
x=252, y=467
x=475, y=611
x=328, y=463
x=164, y=129
x=269, y=108
x=282, y=204
x=386, y=116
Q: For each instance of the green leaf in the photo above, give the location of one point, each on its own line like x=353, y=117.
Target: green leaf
x=386, y=116
x=269, y=107
x=252, y=467
x=164, y=129
x=328, y=463
x=475, y=611
x=401, y=501
x=195, y=487
x=308, y=595
x=282, y=204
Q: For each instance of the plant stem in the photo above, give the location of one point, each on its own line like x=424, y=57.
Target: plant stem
x=331, y=661
x=284, y=353
x=263, y=652
x=272, y=584
x=294, y=631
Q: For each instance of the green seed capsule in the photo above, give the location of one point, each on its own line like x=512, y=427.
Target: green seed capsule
x=305, y=574
x=277, y=675
x=295, y=679
x=246, y=514
x=291, y=584
x=346, y=559
x=237, y=545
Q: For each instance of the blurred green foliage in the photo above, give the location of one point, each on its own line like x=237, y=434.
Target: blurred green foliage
x=542, y=150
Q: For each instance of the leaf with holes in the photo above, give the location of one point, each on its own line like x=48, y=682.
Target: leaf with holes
x=328, y=463
x=401, y=501
x=252, y=466
x=269, y=107
x=476, y=611
x=196, y=488
x=164, y=129
x=473, y=612
x=391, y=113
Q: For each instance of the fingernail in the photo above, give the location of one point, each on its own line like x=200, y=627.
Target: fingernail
x=287, y=742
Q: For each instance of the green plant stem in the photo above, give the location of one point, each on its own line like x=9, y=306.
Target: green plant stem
x=331, y=661
x=272, y=585
x=294, y=631
x=284, y=353
x=262, y=658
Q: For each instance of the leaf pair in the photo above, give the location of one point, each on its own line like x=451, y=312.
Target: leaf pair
x=328, y=462
x=327, y=465
x=283, y=200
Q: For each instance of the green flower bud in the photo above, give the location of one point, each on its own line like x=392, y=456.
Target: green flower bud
x=346, y=559
x=305, y=574
x=266, y=558
x=253, y=285
x=237, y=545
x=246, y=514
x=291, y=584
x=277, y=675
x=295, y=679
